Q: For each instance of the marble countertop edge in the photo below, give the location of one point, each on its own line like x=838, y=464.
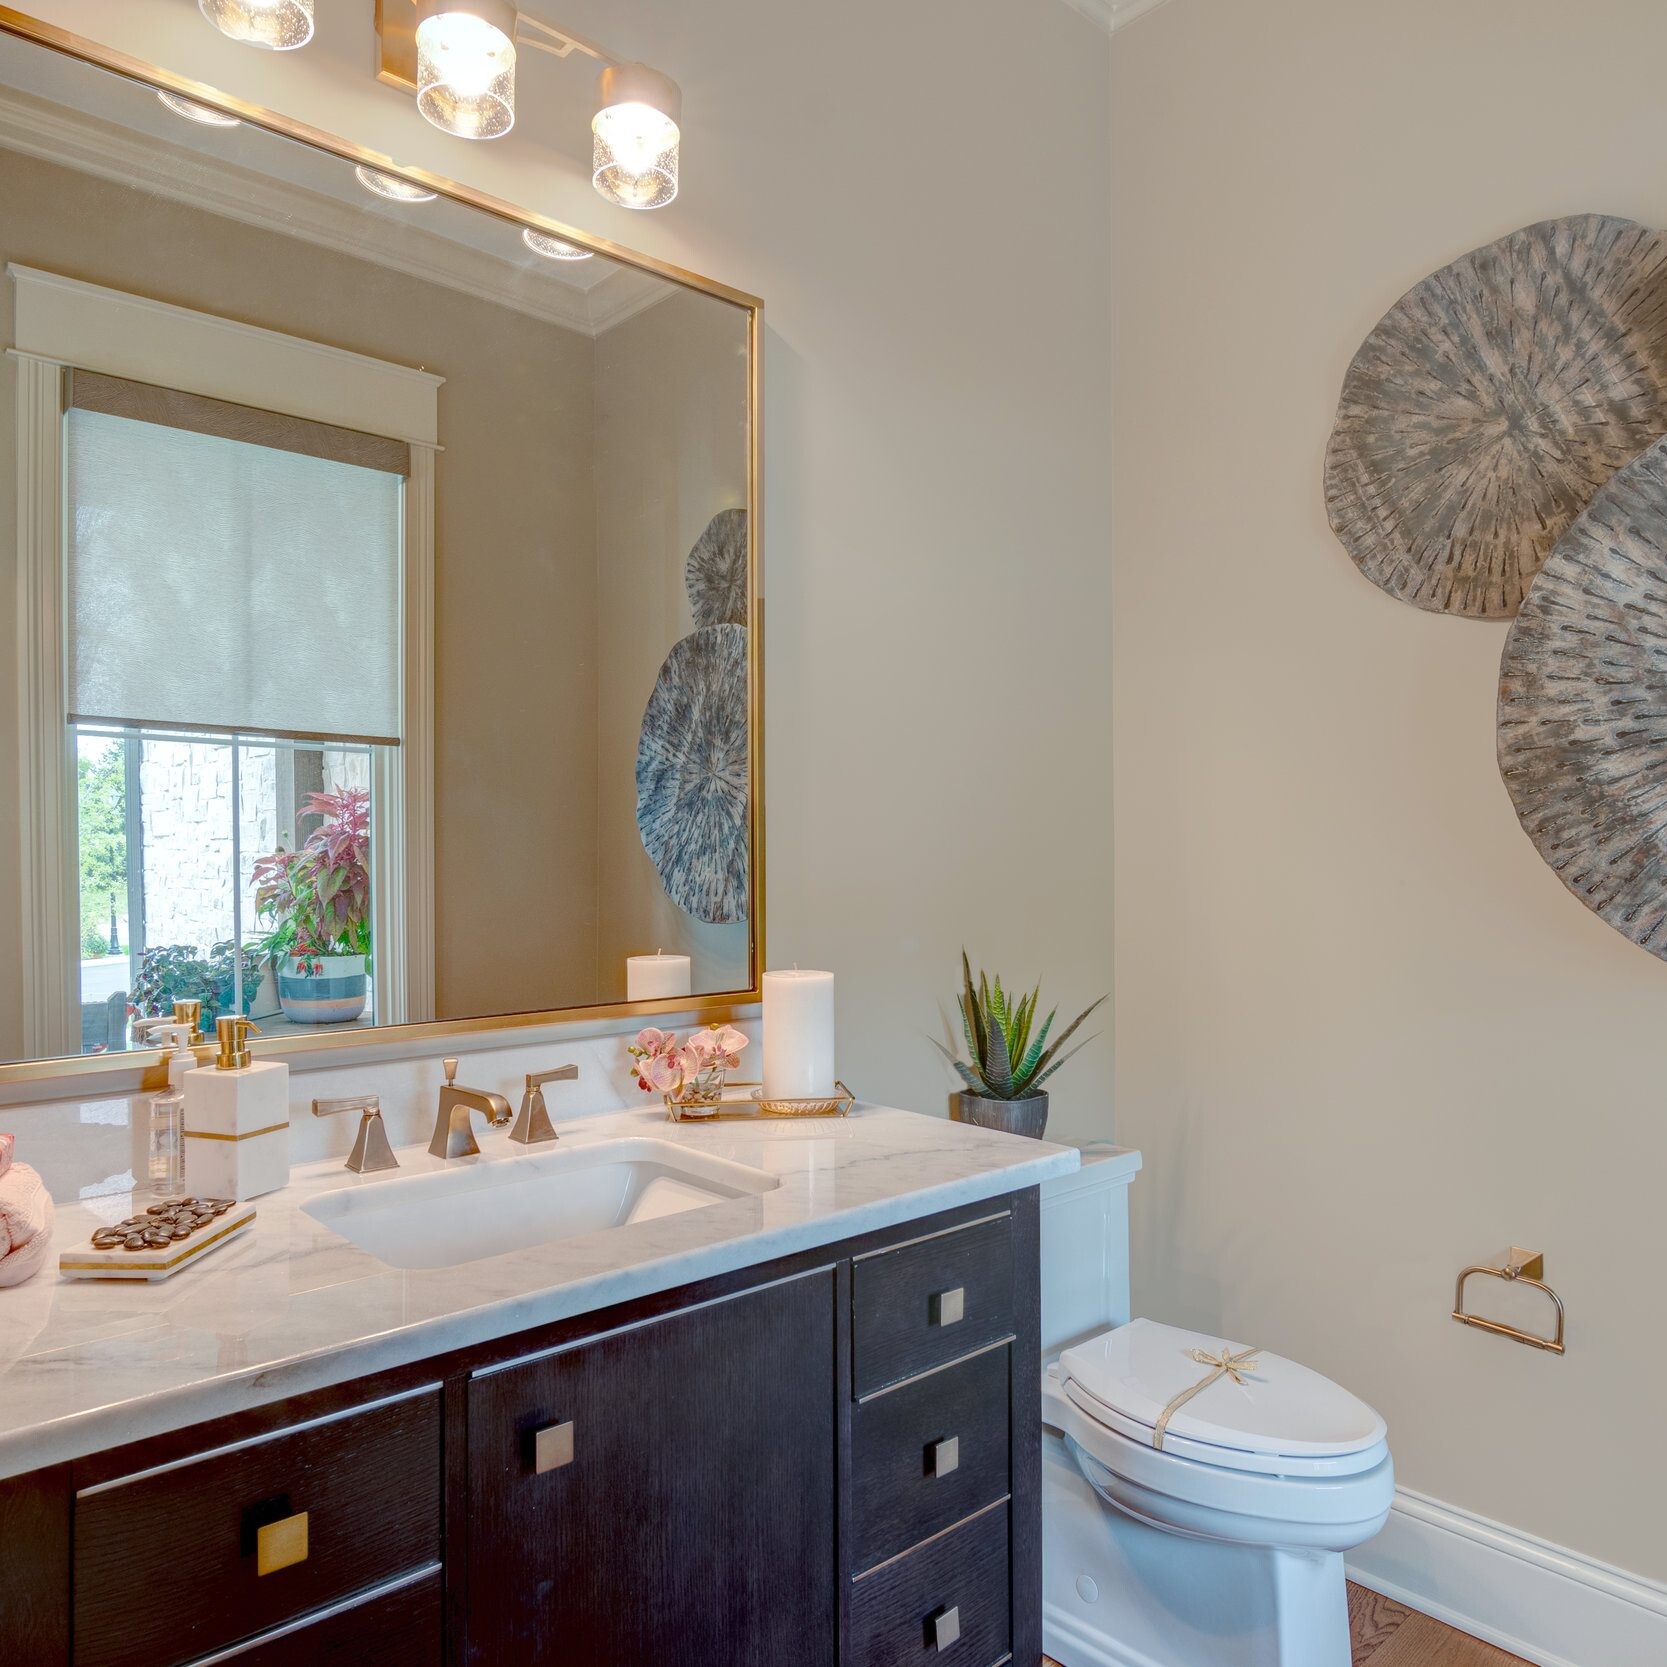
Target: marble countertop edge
x=168, y=1407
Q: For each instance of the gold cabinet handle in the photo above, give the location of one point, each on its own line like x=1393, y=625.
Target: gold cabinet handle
x=281, y=1544
x=945, y=1455
x=949, y=1307
x=946, y=1627
x=552, y=1447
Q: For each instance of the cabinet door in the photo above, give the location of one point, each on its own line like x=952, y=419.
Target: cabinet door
x=686, y=1516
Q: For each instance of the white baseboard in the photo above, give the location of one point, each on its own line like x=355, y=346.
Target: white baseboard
x=1540, y=1601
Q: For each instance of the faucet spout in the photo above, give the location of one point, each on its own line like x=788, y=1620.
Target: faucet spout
x=454, y=1133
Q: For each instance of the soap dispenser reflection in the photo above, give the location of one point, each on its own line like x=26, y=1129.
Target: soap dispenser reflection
x=236, y=1119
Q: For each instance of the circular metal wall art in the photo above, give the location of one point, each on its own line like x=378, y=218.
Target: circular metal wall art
x=1582, y=716
x=1491, y=402
x=716, y=571
x=692, y=776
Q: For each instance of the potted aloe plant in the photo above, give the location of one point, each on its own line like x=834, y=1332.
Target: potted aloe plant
x=317, y=899
x=1009, y=1056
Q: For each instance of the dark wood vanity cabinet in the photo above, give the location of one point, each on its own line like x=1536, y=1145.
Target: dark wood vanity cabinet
x=683, y=1506
x=831, y=1460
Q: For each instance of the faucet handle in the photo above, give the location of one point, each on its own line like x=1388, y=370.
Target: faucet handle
x=532, y=1124
x=449, y=1066
x=371, y=1151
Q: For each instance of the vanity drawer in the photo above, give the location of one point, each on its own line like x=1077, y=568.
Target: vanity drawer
x=930, y=1302
x=167, y=1561
x=946, y=1602
x=927, y=1454
x=402, y=1626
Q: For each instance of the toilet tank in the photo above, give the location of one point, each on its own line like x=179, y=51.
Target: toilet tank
x=1085, y=1247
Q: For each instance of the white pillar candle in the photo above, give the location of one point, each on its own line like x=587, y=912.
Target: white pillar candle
x=655, y=977
x=798, y=1035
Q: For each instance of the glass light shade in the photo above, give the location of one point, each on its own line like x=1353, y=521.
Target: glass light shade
x=195, y=112
x=396, y=190
x=280, y=25
x=636, y=139
x=466, y=67
x=552, y=248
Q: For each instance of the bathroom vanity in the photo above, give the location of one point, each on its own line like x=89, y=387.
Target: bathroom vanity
x=790, y=1425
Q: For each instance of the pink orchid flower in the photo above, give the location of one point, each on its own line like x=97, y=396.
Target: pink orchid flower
x=663, y=1074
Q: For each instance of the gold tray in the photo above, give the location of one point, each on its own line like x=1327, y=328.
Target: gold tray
x=755, y=1107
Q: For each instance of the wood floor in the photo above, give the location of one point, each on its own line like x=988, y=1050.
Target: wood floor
x=1386, y=1635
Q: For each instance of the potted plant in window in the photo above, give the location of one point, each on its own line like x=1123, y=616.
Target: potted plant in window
x=317, y=899
x=1009, y=1058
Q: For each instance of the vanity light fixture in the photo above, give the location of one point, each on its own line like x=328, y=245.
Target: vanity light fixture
x=635, y=136
x=460, y=60
x=279, y=25
x=466, y=66
x=552, y=248
x=396, y=190
x=204, y=114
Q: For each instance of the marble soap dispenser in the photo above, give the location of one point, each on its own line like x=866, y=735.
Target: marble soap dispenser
x=236, y=1119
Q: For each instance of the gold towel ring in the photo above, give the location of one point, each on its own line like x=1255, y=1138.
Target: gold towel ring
x=1520, y=1267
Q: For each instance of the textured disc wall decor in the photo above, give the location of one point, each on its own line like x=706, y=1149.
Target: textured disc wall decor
x=1583, y=705
x=1491, y=402
x=692, y=782
x=716, y=572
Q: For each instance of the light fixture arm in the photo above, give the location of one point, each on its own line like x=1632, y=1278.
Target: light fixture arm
x=559, y=43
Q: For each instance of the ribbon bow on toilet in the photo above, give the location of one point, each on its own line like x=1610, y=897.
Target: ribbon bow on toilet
x=1223, y=1365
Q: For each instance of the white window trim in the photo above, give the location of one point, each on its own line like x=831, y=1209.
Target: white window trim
x=64, y=322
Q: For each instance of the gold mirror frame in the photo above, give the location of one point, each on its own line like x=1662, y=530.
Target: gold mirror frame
x=82, y=1071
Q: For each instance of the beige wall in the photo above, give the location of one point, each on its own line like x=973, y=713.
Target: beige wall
x=515, y=661
x=933, y=251
x=1364, y=1035
x=671, y=451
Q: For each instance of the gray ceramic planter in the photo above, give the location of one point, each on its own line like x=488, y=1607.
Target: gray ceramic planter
x=1027, y=1117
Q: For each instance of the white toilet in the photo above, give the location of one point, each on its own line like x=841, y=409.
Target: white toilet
x=1224, y=1548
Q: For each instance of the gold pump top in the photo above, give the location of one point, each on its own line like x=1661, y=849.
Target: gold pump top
x=190, y=1013
x=234, y=1031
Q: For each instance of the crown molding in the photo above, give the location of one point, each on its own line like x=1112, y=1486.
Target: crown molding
x=54, y=133
x=1123, y=12
x=1102, y=12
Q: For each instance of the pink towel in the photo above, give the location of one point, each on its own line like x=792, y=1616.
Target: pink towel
x=7, y=1141
x=25, y=1224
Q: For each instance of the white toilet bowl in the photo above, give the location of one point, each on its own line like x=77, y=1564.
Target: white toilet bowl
x=1224, y=1548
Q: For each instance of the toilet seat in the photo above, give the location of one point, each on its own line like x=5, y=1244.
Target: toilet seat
x=1282, y=1420
x=1292, y=1509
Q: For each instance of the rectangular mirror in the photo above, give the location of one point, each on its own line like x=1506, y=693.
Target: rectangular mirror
x=382, y=569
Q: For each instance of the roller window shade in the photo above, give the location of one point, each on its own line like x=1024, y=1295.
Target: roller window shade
x=230, y=571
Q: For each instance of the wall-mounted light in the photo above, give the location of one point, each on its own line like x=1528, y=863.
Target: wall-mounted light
x=459, y=57
x=280, y=25
x=204, y=115
x=635, y=136
x=391, y=186
x=552, y=248
x=466, y=66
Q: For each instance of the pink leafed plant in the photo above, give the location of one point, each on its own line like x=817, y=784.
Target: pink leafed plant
x=317, y=898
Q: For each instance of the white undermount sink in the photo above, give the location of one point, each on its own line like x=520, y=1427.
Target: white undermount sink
x=485, y=1209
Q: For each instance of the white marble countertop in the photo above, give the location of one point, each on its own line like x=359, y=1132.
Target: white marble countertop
x=290, y=1307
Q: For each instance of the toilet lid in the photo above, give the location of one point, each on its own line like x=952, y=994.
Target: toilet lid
x=1281, y=1410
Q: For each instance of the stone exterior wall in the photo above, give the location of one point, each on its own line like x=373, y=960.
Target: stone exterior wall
x=185, y=814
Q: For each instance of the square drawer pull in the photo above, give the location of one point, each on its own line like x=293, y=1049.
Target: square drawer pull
x=281, y=1544
x=946, y=1627
x=553, y=1447
x=949, y=1307
x=945, y=1455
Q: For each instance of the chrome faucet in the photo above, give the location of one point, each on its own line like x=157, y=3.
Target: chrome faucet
x=454, y=1134
x=532, y=1124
